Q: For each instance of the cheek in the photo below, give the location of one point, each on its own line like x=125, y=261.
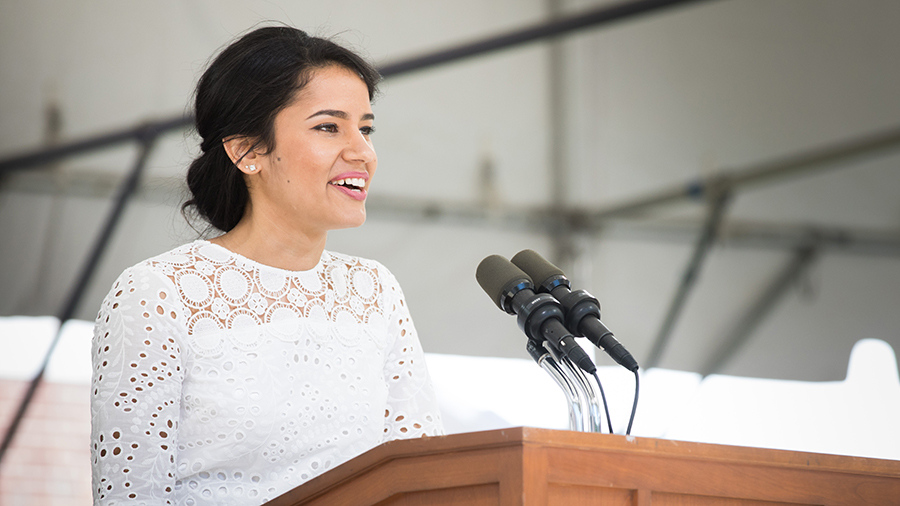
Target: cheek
x=373, y=165
x=315, y=161
x=297, y=167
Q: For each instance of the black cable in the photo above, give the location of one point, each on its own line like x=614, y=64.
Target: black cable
x=605, y=407
x=637, y=389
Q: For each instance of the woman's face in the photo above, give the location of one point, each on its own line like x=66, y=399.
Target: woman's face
x=317, y=176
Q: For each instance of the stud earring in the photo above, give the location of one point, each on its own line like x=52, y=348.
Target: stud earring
x=251, y=168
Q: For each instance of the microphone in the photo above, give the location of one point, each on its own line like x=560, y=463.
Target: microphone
x=582, y=309
x=540, y=316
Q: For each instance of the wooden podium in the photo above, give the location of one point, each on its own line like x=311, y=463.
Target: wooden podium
x=525, y=466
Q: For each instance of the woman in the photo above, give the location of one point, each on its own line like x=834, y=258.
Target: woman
x=230, y=371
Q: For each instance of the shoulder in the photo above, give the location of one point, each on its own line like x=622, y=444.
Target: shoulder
x=181, y=256
x=155, y=273
x=143, y=298
x=193, y=254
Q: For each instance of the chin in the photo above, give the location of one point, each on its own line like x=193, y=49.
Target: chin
x=352, y=221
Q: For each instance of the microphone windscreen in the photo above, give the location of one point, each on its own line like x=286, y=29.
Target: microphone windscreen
x=536, y=266
x=497, y=276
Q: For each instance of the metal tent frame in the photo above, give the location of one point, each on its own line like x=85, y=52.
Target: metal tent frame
x=714, y=192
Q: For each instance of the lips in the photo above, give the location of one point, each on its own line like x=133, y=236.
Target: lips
x=352, y=185
x=357, y=183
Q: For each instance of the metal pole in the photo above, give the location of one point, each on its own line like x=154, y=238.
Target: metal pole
x=601, y=15
x=718, y=200
x=147, y=137
x=561, y=236
x=44, y=156
x=816, y=159
x=800, y=260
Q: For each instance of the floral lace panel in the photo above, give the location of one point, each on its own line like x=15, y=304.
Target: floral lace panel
x=339, y=299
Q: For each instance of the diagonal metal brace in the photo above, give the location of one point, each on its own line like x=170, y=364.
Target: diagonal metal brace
x=803, y=256
x=718, y=194
x=147, y=138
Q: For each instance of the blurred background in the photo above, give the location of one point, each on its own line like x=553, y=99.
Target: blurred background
x=722, y=175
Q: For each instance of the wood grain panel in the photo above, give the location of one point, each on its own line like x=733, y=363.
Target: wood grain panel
x=537, y=467
x=661, y=499
x=477, y=495
x=565, y=495
x=408, y=475
x=700, y=473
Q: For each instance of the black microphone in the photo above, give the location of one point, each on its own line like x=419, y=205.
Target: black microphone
x=540, y=316
x=582, y=309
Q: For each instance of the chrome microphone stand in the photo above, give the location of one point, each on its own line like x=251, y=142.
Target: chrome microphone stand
x=595, y=418
x=585, y=412
x=575, y=399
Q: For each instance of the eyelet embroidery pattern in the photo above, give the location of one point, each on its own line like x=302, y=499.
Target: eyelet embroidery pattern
x=217, y=379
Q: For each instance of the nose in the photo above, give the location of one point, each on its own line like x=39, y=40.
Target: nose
x=359, y=149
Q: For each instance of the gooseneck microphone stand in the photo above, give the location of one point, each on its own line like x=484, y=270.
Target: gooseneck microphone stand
x=585, y=414
x=574, y=399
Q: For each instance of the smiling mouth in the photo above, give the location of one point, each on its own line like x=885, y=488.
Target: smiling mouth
x=352, y=183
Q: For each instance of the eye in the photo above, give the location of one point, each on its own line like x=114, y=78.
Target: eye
x=327, y=127
x=367, y=130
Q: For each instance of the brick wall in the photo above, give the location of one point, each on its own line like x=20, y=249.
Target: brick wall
x=49, y=461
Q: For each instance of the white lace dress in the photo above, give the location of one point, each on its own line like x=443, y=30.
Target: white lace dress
x=218, y=380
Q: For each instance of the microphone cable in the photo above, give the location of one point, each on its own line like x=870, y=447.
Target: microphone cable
x=605, y=406
x=637, y=389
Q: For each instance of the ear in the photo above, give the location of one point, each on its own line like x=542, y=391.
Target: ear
x=243, y=156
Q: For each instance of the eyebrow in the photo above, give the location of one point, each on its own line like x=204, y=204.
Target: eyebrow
x=339, y=114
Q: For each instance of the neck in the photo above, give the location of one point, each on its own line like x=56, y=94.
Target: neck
x=270, y=243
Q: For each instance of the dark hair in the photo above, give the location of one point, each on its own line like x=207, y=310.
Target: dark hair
x=240, y=93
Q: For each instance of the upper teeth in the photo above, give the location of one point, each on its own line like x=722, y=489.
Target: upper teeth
x=351, y=181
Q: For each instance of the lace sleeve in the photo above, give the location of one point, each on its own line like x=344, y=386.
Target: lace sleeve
x=136, y=390
x=412, y=408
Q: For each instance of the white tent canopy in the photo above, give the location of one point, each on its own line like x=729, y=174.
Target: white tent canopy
x=598, y=117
